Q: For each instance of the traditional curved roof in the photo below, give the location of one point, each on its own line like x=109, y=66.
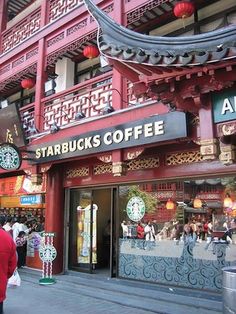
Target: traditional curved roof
x=119, y=43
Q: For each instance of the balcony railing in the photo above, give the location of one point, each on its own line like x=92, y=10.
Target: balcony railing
x=57, y=8
x=62, y=108
x=21, y=31
x=29, y=24
x=89, y=97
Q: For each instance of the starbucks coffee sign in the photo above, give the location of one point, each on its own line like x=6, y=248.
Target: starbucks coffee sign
x=154, y=129
x=10, y=157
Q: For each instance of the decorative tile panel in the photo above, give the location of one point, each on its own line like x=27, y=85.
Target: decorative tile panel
x=31, y=53
x=57, y=8
x=5, y=69
x=146, y=163
x=78, y=172
x=18, y=61
x=185, y=270
x=183, y=158
x=55, y=39
x=102, y=169
x=77, y=27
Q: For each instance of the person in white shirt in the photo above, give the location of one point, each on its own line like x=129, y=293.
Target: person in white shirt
x=16, y=228
x=149, y=232
x=8, y=225
x=124, y=227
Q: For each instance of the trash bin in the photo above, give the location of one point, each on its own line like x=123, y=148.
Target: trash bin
x=229, y=290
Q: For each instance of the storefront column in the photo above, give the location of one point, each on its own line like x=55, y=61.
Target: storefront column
x=54, y=215
x=119, y=83
x=209, y=145
x=118, y=166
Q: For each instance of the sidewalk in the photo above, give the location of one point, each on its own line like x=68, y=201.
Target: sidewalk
x=75, y=290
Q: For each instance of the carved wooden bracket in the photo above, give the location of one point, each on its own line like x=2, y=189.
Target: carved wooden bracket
x=107, y=158
x=227, y=154
x=188, y=94
x=119, y=168
x=209, y=149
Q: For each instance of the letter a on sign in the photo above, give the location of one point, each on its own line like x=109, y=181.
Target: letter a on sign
x=226, y=106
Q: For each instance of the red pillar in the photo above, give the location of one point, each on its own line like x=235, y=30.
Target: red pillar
x=3, y=19
x=54, y=216
x=206, y=120
x=118, y=82
x=39, y=86
x=41, y=75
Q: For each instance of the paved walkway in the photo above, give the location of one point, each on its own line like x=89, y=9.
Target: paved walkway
x=82, y=293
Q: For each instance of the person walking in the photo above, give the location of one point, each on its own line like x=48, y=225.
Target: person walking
x=8, y=260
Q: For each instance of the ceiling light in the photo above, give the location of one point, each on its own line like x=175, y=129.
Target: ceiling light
x=80, y=115
x=54, y=128
x=108, y=109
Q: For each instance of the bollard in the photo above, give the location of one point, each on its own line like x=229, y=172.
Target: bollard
x=229, y=290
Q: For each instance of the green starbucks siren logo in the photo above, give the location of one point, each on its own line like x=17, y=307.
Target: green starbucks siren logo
x=10, y=157
x=135, y=208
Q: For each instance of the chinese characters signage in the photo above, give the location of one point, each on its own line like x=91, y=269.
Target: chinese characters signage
x=11, y=128
x=31, y=199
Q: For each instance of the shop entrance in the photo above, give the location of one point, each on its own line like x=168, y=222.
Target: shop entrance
x=91, y=230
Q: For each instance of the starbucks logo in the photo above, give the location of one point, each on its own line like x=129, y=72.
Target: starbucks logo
x=10, y=158
x=135, y=208
x=47, y=253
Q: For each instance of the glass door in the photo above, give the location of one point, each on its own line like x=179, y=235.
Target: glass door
x=91, y=232
x=82, y=230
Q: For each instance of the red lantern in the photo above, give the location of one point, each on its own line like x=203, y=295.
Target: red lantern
x=27, y=83
x=170, y=205
x=228, y=203
x=91, y=52
x=183, y=9
x=197, y=203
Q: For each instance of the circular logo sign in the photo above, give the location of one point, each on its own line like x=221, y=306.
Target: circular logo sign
x=135, y=208
x=10, y=157
x=47, y=253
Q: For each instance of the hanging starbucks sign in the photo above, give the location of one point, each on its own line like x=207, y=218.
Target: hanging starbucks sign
x=135, y=208
x=10, y=157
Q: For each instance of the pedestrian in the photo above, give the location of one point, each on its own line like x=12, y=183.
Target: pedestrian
x=21, y=247
x=8, y=225
x=8, y=261
x=230, y=234
x=124, y=227
x=149, y=235
x=140, y=235
x=140, y=231
x=107, y=243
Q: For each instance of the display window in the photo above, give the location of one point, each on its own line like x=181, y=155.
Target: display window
x=171, y=230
